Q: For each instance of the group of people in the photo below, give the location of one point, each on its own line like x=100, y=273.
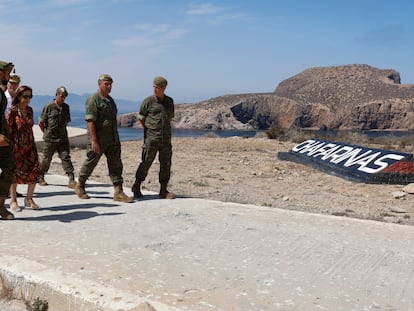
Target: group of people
x=19, y=160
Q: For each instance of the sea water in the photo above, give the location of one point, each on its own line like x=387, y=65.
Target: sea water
x=129, y=133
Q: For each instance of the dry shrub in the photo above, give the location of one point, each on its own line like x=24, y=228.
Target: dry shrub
x=260, y=134
x=276, y=132
x=353, y=138
x=211, y=135
x=298, y=135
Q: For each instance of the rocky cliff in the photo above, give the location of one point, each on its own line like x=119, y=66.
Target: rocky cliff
x=338, y=97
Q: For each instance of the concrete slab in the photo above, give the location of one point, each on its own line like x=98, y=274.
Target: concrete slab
x=193, y=254
x=77, y=136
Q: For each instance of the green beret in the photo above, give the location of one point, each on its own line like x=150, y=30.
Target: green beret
x=160, y=81
x=105, y=77
x=6, y=66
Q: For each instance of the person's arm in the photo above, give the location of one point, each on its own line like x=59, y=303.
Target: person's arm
x=42, y=121
x=41, y=126
x=94, y=138
x=143, y=112
x=3, y=139
x=4, y=124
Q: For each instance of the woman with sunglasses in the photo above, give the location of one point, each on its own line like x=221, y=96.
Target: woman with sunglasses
x=28, y=169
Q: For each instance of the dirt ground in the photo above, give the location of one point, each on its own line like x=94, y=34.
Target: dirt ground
x=247, y=170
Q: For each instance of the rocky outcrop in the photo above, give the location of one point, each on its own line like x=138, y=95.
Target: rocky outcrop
x=350, y=97
x=128, y=120
x=338, y=97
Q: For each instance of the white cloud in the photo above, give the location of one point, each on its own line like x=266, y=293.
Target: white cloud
x=203, y=9
x=150, y=35
x=213, y=14
x=166, y=30
x=134, y=42
x=68, y=3
x=7, y=5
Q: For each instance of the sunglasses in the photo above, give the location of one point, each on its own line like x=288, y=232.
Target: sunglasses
x=27, y=96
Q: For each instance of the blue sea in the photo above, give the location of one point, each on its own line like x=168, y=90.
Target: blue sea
x=129, y=133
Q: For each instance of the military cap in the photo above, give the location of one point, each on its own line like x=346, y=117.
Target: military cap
x=62, y=90
x=5, y=66
x=105, y=77
x=160, y=81
x=14, y=79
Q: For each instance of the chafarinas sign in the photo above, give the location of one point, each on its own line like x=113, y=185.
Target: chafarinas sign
x=353, y=162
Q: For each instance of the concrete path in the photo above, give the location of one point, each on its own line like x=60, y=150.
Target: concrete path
x=193, y=254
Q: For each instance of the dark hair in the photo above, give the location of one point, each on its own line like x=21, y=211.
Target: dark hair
x=19, y=92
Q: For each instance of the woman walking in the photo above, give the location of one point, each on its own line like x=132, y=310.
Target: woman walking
x=28, y=169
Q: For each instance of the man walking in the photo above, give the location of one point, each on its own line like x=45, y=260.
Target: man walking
x=101, y=117
x=7, y=159
x=53, y=122
x=155, y=115
x=12, y=86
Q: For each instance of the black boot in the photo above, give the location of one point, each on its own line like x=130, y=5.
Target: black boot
x=136, y=189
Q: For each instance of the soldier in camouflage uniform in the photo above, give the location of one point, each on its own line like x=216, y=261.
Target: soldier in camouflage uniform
x=155, y=115
x=103, y=138
x=7, y=159
x=53, y=122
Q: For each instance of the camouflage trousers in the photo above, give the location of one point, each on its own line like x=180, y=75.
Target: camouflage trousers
x=63, y=150
x=7, y=167
x=113, y=159
x=149, y=151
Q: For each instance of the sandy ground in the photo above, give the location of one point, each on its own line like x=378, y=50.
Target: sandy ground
x=247, y=170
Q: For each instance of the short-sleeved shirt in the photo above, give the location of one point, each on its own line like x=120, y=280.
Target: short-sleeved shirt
x=157, y=115
x=9, y=101
x=103, y=112
x=55, y=119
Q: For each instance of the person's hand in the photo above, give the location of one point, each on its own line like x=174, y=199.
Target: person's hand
x=96, y=147
x=4, y=142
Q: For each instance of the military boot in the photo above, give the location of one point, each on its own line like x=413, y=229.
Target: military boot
x=136, y=189
x=72, y=182
x=120, y=196
x=80, y=189
x=4, y=213
x=164, y=193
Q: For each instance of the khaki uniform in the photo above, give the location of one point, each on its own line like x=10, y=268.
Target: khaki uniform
x=157, y=136
x=103, y=112
x=55, y=136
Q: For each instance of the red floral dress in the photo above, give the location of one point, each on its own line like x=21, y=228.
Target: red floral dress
x=28, y=168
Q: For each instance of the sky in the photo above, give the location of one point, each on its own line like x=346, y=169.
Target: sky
x=204, y=48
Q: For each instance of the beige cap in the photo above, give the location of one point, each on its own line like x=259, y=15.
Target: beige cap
x=105, y=77
x=6, y=66
x=14, y=79
x=160, y=81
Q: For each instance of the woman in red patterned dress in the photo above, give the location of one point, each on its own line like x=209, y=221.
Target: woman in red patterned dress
x=28, y=169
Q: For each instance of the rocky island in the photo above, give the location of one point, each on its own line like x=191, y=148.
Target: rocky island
x=357, y=97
